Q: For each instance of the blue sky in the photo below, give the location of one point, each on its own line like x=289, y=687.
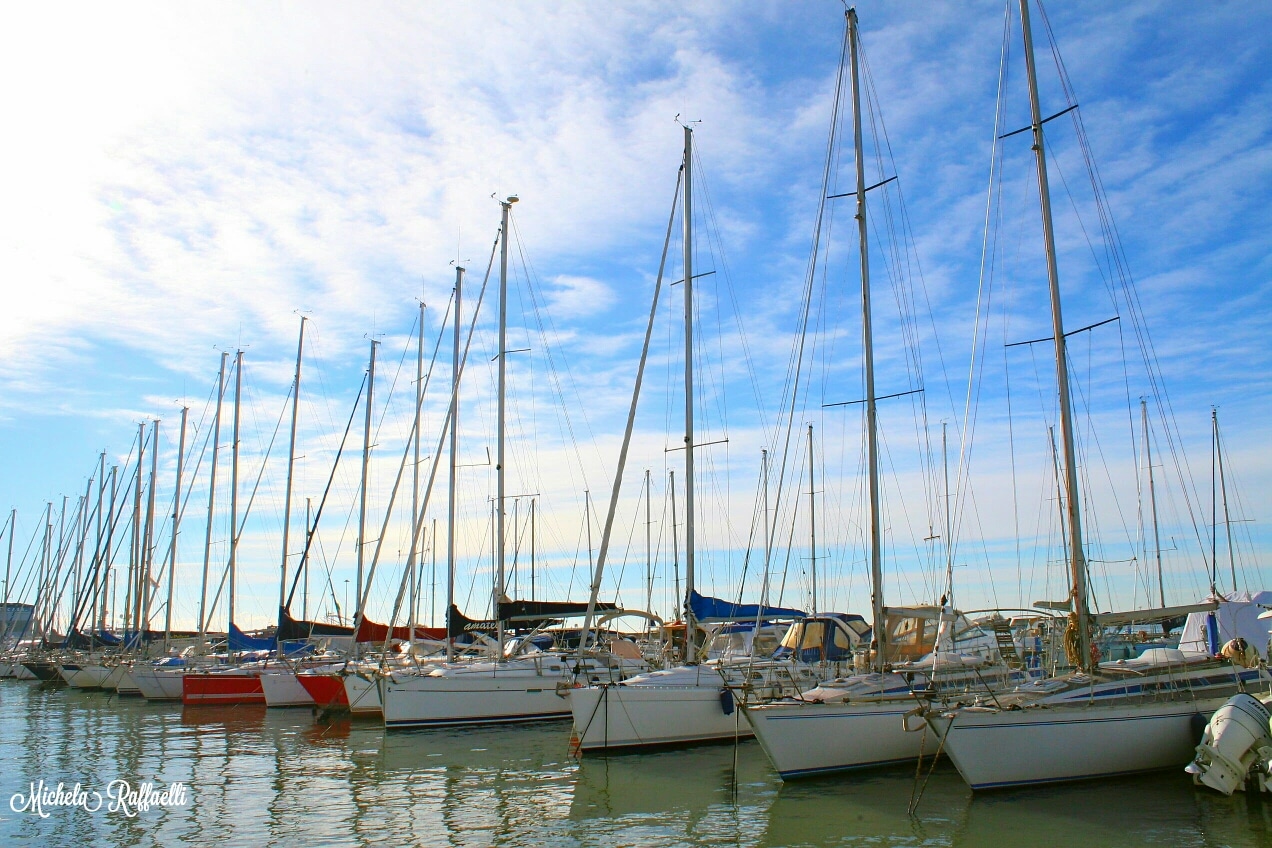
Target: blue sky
x=188, y=179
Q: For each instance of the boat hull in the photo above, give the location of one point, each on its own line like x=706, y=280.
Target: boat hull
x=806, y=739
x=71, y=674
x=616, y=717
x=117, y=677
x=216, y=688
x=326, y=690
x=44, y=670
x=88, y=676
x=282, y=689
x=362, y=694
x=995, y=749
x=156, y=684
x=473, y=698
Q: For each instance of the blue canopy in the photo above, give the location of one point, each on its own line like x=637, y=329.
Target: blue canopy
x=134, y=638
x=714, y=609
x=240, y=641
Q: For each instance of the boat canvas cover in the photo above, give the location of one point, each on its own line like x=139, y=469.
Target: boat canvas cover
x=291, y=629
x=536, y=610
x=715, y=609
x=371, y=631
x=240, y=641
x=1238, y=615
x=458, y=624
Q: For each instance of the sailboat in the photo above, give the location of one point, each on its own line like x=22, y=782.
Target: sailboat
x=1105, y=718
x=228, y=685
x=857, y=721
x=162, y=679
x=694, y=702
x=529, y=685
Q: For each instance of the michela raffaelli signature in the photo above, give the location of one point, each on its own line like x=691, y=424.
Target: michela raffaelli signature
x=120, y=797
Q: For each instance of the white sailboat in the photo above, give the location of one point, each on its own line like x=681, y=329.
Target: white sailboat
x=698, y=702
x=856, y=721
x=1105, y=718
x=694, y=702
x=528, y=686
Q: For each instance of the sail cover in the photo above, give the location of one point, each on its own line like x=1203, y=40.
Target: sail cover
x=370, y=631
x=715, y=609
x=524, y=611
x=290, y=629
x=458, y=624
x=240, y=641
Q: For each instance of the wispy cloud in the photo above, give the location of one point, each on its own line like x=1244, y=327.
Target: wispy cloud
x=186, y=179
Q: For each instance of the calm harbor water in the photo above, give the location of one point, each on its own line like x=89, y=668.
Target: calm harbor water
x=274, y=777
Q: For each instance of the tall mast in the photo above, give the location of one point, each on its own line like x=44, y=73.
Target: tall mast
x=689, y=505
x=8, y=563
x=454, y=469
x=415, y=469
x=366, y=462
x=587, y=520
x=102, y=559
x=304, y=563
x=675, y=541
x=1223, y=491
x=949, y=537
x=132, y=597
x=432, y=593
x=812, y=519
x=234, y=471
x=77, y=561
x=872, y=435
x=516, y=544
x=649, y=550
x=110, y=534
x=1152, y=501
x=1077, y=555
x=1055, y=467
x=176, y=522
x=768, y=531
x=43, y=607
x=291, y=464
x=150, y=529
x=1214, y=505
x=207, y=543
x=506, y=206
x=82, y=521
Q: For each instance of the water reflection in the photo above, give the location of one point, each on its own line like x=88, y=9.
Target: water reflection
x=270, y=777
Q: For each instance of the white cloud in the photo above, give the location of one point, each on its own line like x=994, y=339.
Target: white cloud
x=188, y=177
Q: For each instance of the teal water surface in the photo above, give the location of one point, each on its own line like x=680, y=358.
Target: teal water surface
x=275, y=777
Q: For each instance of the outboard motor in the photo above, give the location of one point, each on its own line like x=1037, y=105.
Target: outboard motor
x=1237, y=744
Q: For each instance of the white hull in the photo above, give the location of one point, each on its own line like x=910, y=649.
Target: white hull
x=621, y=716
x=126, y=686
x=90, y=677
x=21, y=672
x=994, y=749
x=478, y=693
x=363, y=693
x=117, y=676
x=155, y=684
x=282, y=689
x=803, y=739
x=75, y=676
x=6, y=670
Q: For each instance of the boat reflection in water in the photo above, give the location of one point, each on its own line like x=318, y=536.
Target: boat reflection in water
x=273, y=777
